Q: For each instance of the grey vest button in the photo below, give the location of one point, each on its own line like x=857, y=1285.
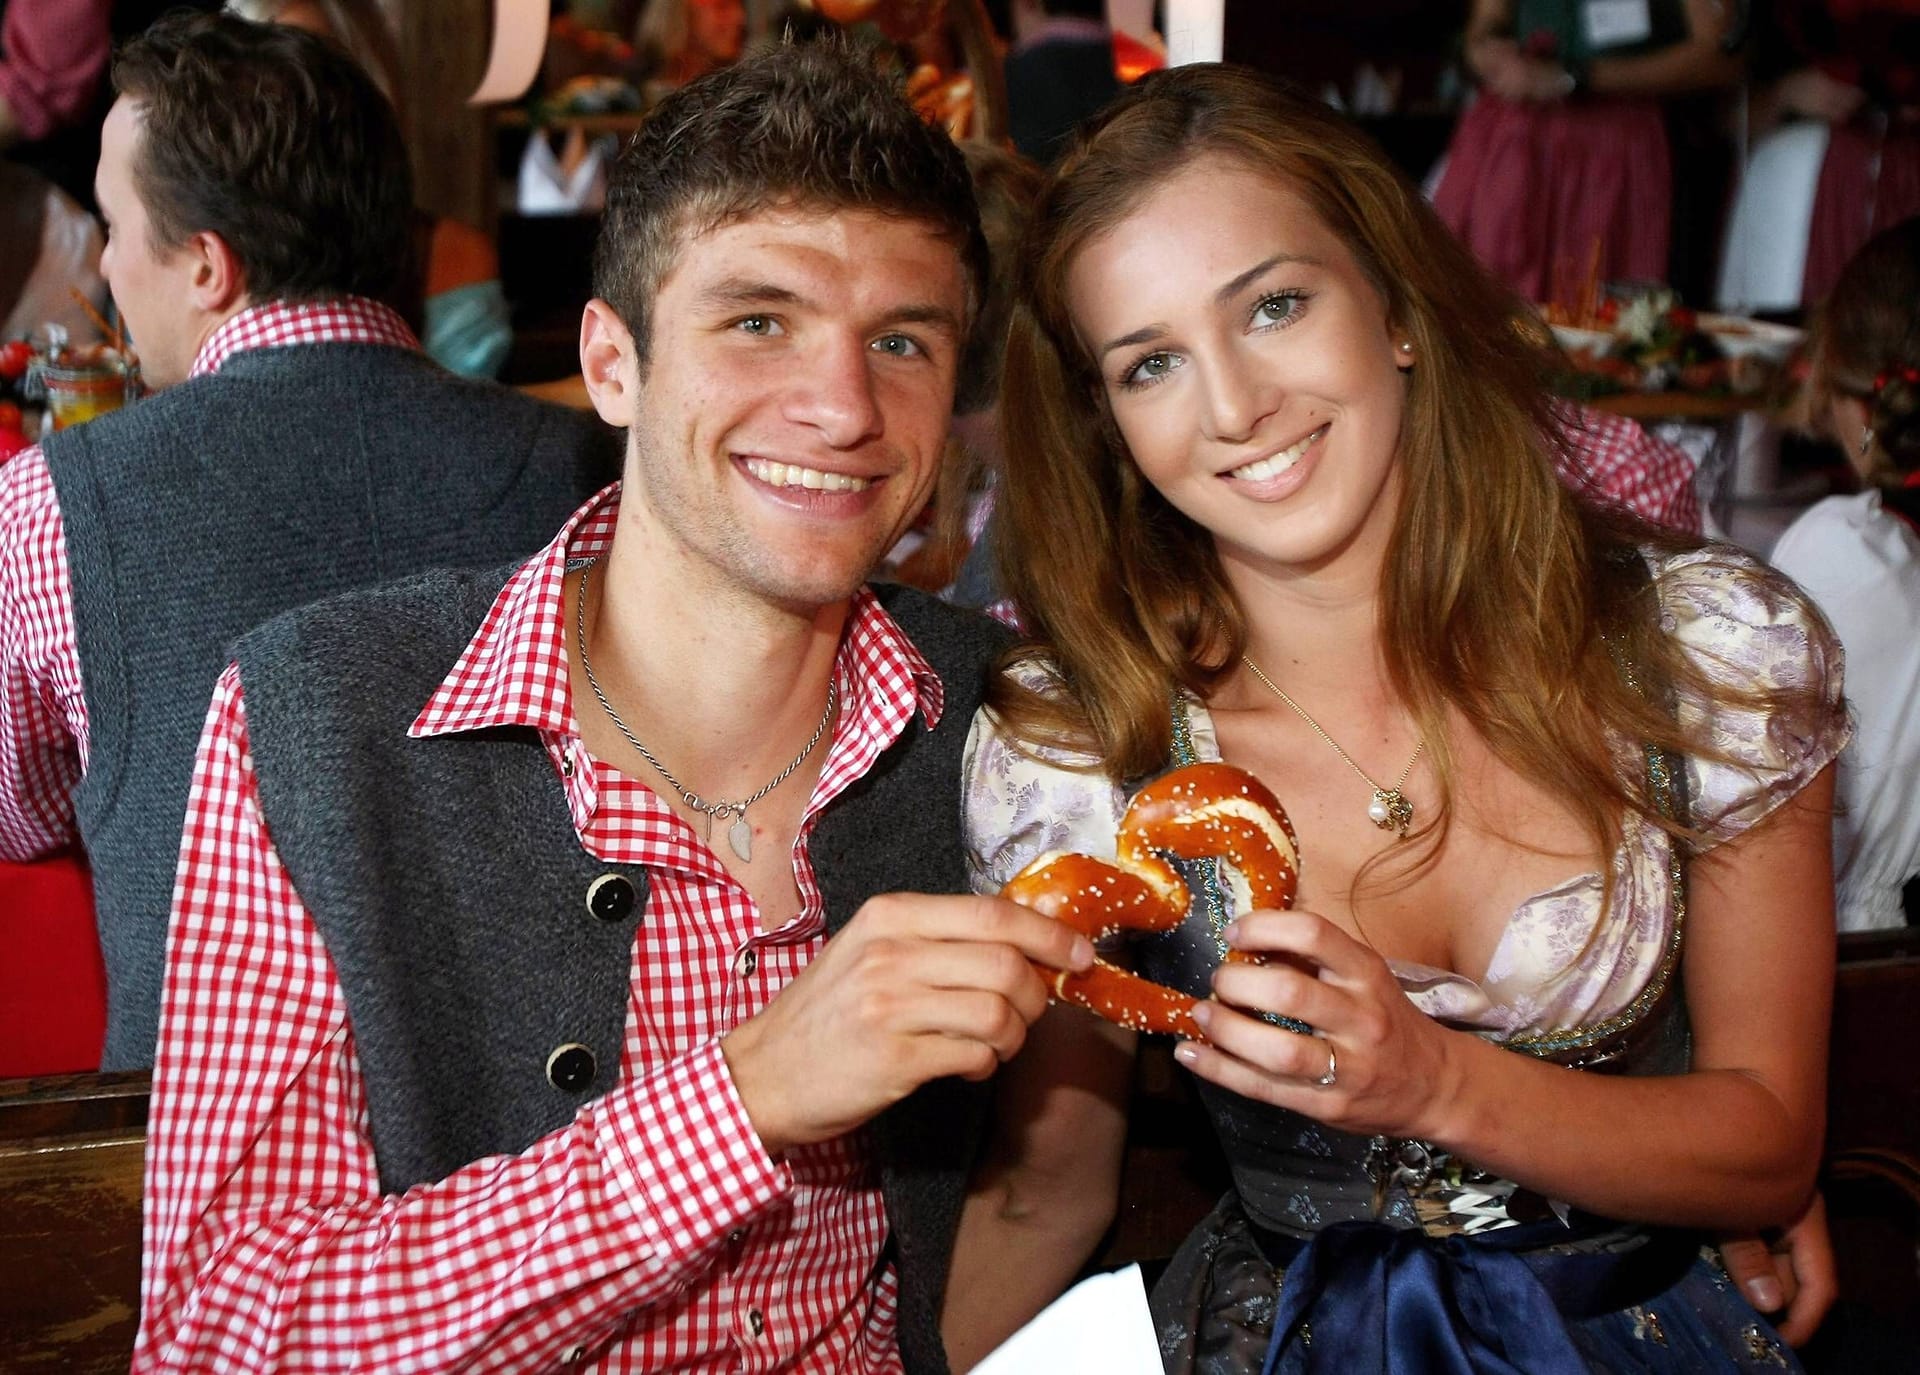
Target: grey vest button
x=611, y=897
x=570, y=1068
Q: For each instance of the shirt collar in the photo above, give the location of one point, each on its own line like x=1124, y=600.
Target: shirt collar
x=277, y=324
x=513, y=671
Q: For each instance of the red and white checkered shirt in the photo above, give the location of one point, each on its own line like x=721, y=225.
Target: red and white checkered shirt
x=1612, y=459
x=652, y=1233
x=43, y=708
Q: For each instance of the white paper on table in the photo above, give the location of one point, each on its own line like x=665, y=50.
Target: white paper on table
x=1101, y=1326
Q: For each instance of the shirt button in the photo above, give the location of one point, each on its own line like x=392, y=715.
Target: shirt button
x=611, y=897
x=570, y=1068
x=736, y=1236
x=756, y=1322
x=749, y=961
x=577, y=1355
x=566, y=762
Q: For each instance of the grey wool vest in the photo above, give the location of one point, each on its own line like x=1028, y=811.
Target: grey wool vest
x=473, y=935
x=289, y=475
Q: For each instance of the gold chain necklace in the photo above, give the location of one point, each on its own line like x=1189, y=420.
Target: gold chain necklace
x=740, y=834
x=1389, y=810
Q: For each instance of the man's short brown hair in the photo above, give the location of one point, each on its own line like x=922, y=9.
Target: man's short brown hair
x=278, y=142
x=811, y=124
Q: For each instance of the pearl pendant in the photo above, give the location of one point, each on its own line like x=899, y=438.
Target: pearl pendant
x=1377, y=811
x=740, y=837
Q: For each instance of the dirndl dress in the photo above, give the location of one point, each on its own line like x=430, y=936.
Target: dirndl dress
x=1546, y=194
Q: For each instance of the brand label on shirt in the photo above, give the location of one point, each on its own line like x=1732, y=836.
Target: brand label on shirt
x=1616, y=23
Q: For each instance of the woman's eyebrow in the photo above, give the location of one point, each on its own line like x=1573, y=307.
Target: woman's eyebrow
x=1258, y=270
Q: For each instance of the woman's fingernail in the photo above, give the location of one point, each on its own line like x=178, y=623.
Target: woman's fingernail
x=1082, y=956
x=1186, y=1052
x=1231, y=934
x=1202, y=1013
x=1764, y=1293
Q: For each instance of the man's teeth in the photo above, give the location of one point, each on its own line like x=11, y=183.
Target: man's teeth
x=793, y=475
x=1279, y=463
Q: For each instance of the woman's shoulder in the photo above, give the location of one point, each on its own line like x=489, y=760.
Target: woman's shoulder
x=1768, y=702
x=1843, y=541
x=1740, y=622
x=1024, y=797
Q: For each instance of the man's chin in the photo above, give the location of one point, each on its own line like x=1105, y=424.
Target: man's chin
x=809, y=589
x=807, y=598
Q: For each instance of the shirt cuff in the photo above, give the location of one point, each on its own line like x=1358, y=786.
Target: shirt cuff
x=680, y=1143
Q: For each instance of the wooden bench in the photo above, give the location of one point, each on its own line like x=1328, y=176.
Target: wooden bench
x=71, y=1150
x=1872, y=1175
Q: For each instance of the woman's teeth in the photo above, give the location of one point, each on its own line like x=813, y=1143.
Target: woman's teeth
x=1278, y=463
x=793, y=475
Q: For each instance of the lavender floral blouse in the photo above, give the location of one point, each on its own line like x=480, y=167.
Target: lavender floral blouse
x=1558, y=964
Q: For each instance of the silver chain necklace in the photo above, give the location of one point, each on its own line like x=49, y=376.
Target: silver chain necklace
x=740, y=834
x=1389, y=810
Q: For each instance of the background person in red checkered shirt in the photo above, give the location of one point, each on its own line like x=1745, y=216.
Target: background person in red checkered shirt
x=501, y=1028
x=259, y=208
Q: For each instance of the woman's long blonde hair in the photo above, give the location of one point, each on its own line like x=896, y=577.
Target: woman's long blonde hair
x=1502, y=597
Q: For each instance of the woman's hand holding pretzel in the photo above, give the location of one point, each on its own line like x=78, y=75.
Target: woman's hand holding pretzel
x=1392, y=1070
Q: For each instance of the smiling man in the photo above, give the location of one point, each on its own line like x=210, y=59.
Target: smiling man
x=501, y=1026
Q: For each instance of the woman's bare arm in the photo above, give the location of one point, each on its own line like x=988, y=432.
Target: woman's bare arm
x=1041, y=1200
x=1732, y=1144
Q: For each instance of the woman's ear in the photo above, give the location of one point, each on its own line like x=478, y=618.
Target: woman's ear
x=1850, y=425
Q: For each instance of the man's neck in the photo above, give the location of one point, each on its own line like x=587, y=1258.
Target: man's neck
x=723, y=687
x=205, y=327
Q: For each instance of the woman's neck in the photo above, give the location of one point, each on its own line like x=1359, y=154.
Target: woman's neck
x=1318, y=632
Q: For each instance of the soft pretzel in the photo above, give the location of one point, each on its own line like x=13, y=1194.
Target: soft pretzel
x=1201, y=811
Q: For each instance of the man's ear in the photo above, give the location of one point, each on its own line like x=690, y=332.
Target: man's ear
x=218, y=281
x=609, y=363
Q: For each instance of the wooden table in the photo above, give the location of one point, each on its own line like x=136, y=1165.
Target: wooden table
x=71, y=1152
x=565, y=391
x=1646, y=406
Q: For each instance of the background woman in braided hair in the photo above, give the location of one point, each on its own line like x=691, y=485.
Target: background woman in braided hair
x=1859, y=558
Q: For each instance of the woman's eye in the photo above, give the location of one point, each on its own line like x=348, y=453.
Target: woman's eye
x=1150, y=369
x=899, y=345
x=758, y=324
x=1279, y=309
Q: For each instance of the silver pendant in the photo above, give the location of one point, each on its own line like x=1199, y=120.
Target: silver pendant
x=740, y=836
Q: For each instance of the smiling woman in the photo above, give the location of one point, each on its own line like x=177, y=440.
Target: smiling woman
x=1228, y=401
x=1280, y=492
